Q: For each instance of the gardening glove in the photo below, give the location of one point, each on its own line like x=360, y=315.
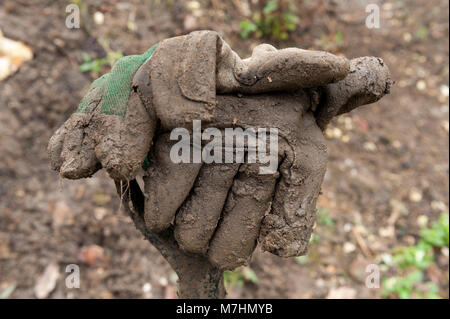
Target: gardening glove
x=111, y=127
x=220, y=210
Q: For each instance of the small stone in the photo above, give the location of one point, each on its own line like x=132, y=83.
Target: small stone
x=387, y=259
x=193, y=5
x=329, y=133
x=422, y=220
x=396, y=144
x=370, y=146
x=386, y=232
x=163, y=281
x=147, y=290
x=147, y=287
x=337, y=132
x=421, y=85
x=99, y=18
x=349, y=247
x=195, y=8
x=407, y=37
x=348, y=227
x=100, y=212
x=415, y=196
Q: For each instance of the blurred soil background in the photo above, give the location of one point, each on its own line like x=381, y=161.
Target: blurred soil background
x=385, y=196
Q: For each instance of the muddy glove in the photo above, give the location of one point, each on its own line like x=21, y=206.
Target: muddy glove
x=111, y=128
x=220, y=210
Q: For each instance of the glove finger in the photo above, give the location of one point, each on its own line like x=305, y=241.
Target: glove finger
x=293, y=68
x=71, y=148
x=124, y=142
x=287, y=229
x=78, y=158
x=269, y=70
x=368, y=81
x=235, y=238
x=167, y=185
x=198, y=216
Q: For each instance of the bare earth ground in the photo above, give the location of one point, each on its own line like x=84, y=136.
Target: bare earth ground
x=388, y=162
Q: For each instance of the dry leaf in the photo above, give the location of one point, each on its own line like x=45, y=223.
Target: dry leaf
x=12, y=55
x=47, y=281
